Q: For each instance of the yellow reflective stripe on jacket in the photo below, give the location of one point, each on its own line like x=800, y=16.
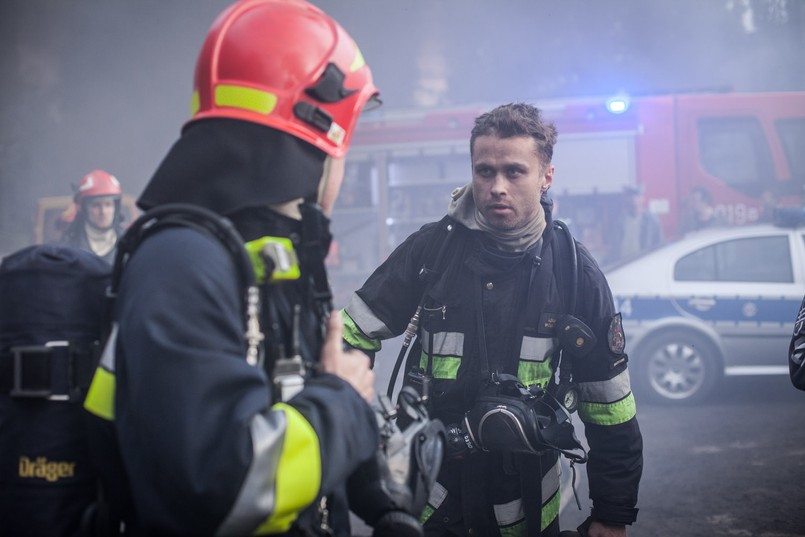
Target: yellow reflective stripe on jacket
x=550, y=510
x=366, y=321
x=608, y=413
x=100, y=399
x=356, y=338
x=534, y=372
x=607, y=402
x=510, y=516
x=298, y=477
x=442, y=367
x=438, y=495
x=448, y=347
x=550, y=489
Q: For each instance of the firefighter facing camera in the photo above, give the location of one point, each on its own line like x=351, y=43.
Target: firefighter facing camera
x=97, y=221
x=225, y=403
x=515, y=329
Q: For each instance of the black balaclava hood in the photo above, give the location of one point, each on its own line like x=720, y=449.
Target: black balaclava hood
x=227, y=165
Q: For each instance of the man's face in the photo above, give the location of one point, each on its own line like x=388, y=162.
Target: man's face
x=508, y=179
x=101, y=212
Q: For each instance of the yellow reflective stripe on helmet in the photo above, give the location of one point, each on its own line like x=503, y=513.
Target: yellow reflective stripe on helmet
x=356, y=338
x=195, y=103
x=298, y=473
x=252, y=99
x=531, y=373
x=281, y=252
x=608, y=413
x=100, y=398
x=442, y=367
x=357, y=61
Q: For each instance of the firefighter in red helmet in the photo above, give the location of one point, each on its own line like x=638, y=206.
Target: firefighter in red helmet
x=208, y=443
x=97, y=223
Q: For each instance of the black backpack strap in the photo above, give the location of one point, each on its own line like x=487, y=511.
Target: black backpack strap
x=213, y=225
x=184, y=215
x=435, y=252
x=566, y=265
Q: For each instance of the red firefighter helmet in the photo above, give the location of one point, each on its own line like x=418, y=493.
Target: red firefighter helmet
x=285, y=64
x=97, y=183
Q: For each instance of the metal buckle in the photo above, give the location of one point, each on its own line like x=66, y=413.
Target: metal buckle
x=19, y=389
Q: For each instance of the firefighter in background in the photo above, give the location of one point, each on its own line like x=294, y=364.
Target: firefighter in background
x=204, y=442
x=98, y=220
x=488, y=308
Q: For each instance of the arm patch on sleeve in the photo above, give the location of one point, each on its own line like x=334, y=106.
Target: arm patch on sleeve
x=615, y=335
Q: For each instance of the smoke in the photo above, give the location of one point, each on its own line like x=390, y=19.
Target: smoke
x=97, y=84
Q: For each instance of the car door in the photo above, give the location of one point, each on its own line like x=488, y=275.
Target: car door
x=748, y=290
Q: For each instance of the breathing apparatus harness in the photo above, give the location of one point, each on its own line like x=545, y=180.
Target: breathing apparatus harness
x=507, y=416
x=408, y=460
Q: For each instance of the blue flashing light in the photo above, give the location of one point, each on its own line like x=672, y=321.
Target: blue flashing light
x=618, y=105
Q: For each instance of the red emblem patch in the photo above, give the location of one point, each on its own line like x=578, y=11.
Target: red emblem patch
x=615, y=337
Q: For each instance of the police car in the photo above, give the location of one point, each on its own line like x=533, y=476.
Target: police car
x=716, y=303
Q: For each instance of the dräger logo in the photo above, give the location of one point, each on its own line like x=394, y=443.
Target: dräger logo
x=41, y=468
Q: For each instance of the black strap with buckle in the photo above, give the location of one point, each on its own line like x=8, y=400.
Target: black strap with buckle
x=55, y=371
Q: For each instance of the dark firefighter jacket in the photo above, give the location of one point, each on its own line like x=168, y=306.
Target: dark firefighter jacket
x=205, y=448
x=796, y=350
x=484, y=489
x=76, y=235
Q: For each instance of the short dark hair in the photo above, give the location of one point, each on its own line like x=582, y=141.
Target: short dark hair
x=517, y=119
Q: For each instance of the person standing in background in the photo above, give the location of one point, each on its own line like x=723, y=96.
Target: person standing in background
x=98, y=221
x=639, y=229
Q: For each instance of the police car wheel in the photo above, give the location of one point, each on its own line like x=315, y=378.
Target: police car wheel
x=676, y=367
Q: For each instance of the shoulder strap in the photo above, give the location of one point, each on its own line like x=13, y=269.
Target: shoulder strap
x=435, y=252
x=183, y=215
x=213, y=225
x=566, y=265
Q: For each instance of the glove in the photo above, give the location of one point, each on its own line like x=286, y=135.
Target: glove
x=459, y=443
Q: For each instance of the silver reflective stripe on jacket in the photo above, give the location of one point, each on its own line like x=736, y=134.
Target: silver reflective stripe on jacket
x=606, y=391
x=257, y=496
x=366, y=320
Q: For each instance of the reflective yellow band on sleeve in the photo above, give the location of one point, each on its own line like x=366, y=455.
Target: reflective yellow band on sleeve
x=298, y=477
x=100, y=398
x=355, y=337
x=608, y=413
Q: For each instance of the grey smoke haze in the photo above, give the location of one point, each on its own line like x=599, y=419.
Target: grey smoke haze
x=106, y=83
